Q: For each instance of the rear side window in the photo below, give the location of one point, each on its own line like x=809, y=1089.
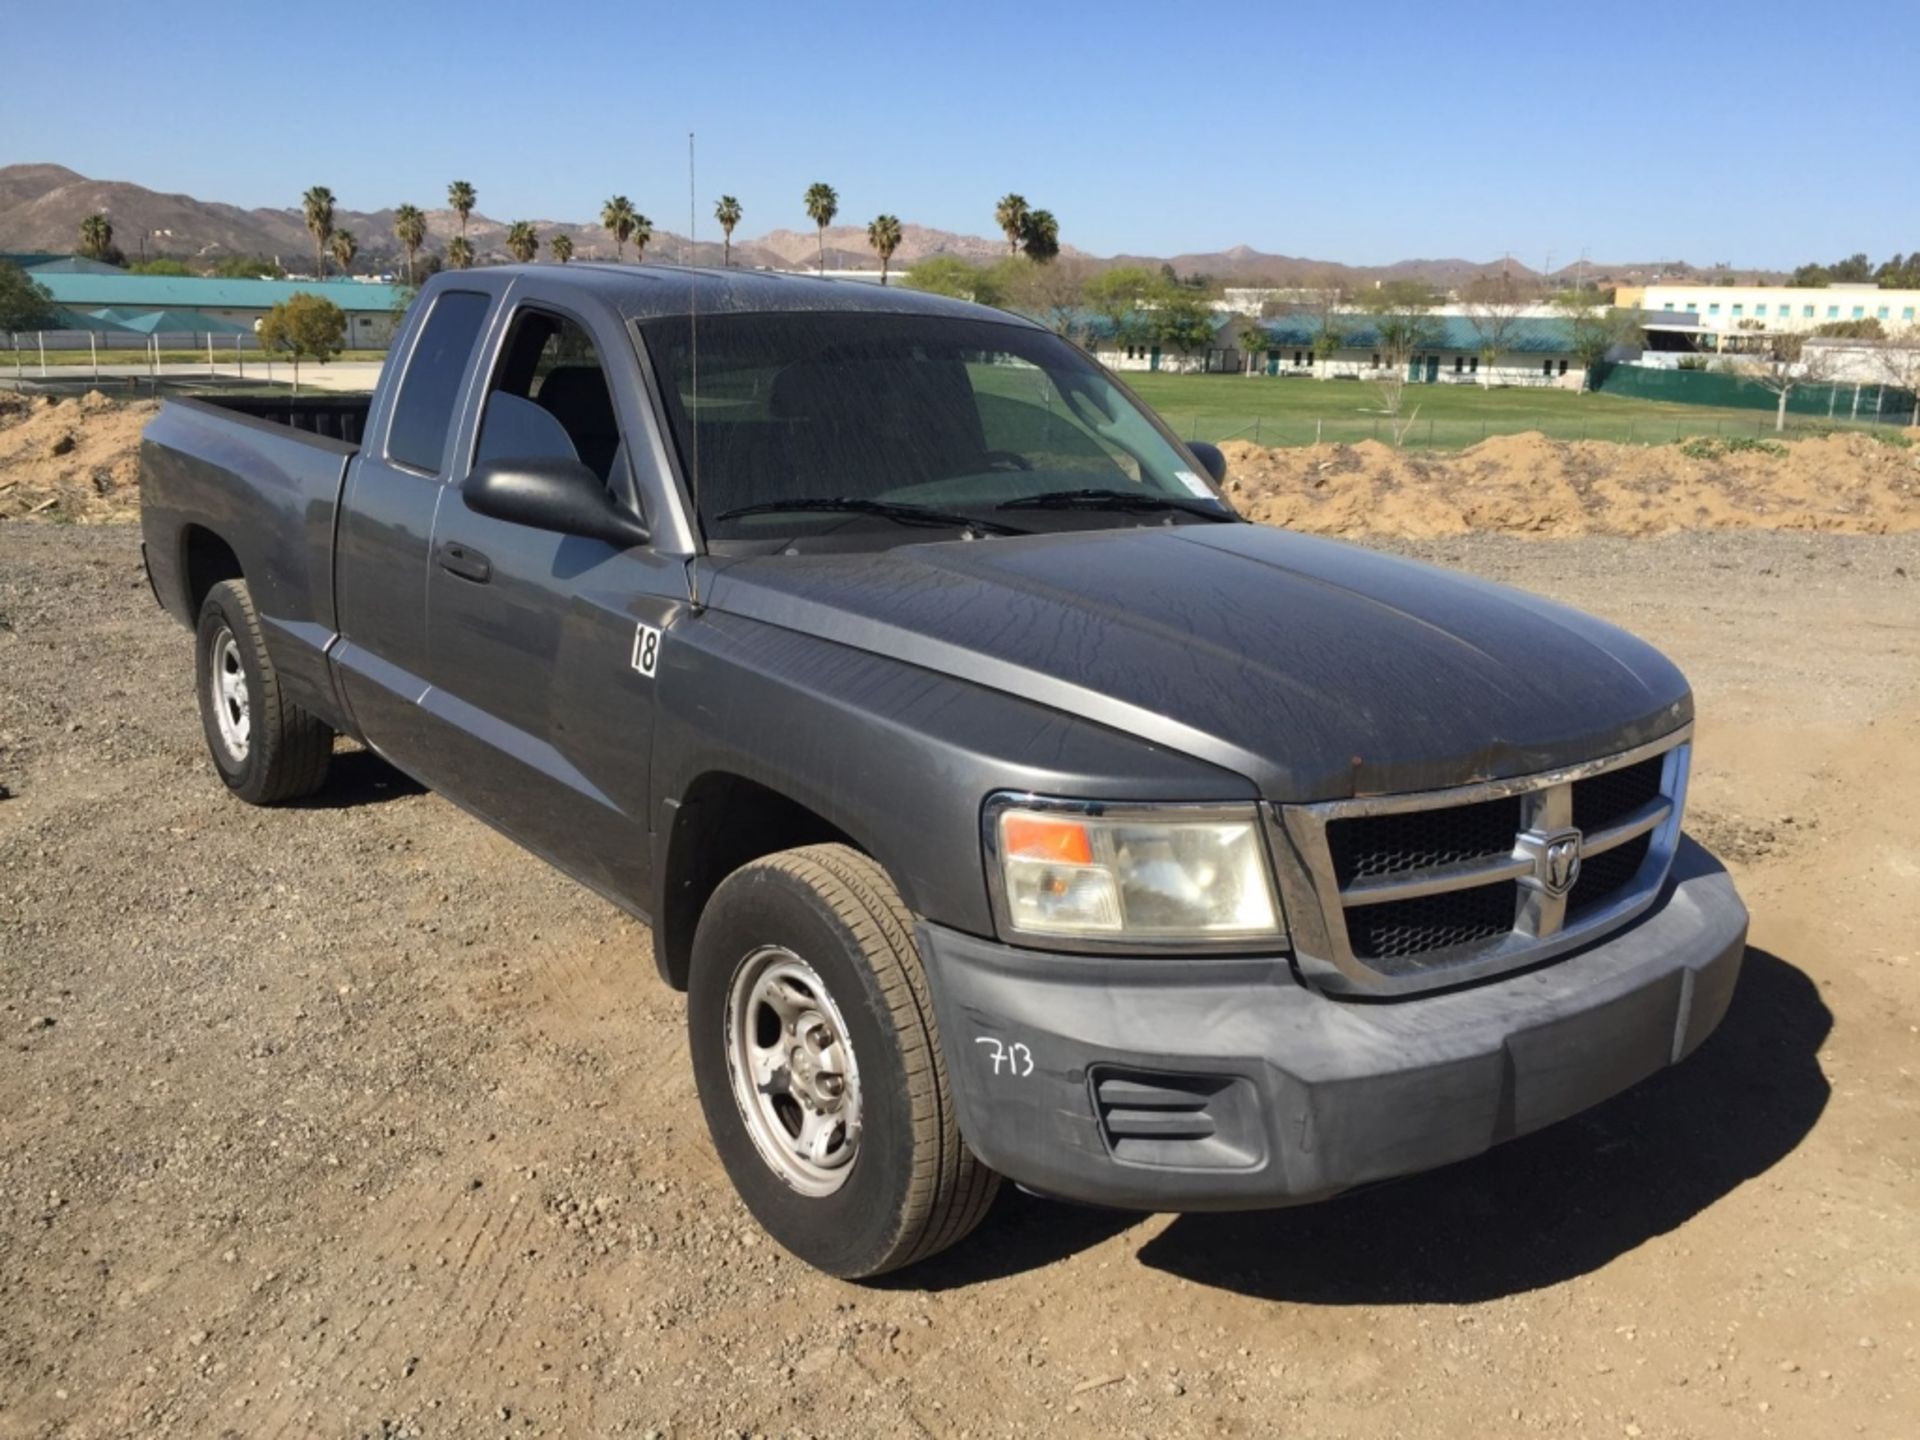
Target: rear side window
x=424, y=412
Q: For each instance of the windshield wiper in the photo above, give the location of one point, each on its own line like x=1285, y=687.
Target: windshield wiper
x=888, y=510
x=1117, y=500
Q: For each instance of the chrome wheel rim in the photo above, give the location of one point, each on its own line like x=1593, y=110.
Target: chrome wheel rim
x=793, y=1072
x=227, y=692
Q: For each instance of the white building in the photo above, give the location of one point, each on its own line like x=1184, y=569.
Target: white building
x=1721, y=310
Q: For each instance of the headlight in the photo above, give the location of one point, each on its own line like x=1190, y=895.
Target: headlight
x=1158, y=875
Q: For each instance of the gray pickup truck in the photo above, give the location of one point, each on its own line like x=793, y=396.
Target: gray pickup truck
x=1005, y=803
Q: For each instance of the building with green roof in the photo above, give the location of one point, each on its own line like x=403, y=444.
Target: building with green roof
x=201, y=304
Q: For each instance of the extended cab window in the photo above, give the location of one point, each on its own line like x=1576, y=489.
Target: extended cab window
x=549, y=398
x=423, y=413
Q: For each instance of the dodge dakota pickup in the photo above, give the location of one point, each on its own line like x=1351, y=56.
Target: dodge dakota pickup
x=1005, y=803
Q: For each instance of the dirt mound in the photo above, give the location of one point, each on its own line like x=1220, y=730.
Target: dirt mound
x=78, y=460
x=1530, y=485
x=64, y=459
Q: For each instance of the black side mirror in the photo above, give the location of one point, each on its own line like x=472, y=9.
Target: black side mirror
x=548, y=493
x=1210, y=457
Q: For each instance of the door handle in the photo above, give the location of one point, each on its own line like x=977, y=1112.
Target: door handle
x=465, y=561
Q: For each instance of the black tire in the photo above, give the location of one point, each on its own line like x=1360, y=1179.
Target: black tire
x=284, y=752
x=913, y=1187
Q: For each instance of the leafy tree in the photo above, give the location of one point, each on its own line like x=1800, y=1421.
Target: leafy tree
x=1494, y=306
x=305, y=327
x=1011, y=216
x=1899, y=361
x=1327, y=342
x=1120, y=296
x=1040, y=236
x=1181, y=321
x=460, y=253
x=523, y=242
x=1596, y=329
x=1786, y=363
x=1865, y=328
x=1053, y=294
x=317, y=206
x=246, y=267
x=159, y=265
x=1902, y=272
x=460, y=199
x=884, y=236
x=617, y=215
x=823, y=203
x=642, y=234
x=96, y=237
x=343, y=247
x=1254, y=340
x=1402, y=315
x=25, y=304
x=951, y=276
x=410, y=229
x=727, y=212
x=562, y=247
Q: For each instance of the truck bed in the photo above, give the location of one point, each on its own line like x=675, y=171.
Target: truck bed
x=258, y=477
x=333, y=417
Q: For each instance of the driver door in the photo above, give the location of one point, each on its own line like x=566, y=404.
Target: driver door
x=544, y=715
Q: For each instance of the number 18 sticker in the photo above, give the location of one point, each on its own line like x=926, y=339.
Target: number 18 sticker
x=646, y=649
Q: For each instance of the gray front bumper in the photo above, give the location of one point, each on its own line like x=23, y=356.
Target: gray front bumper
x=1311, y=1095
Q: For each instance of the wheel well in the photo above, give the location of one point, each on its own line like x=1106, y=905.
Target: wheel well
x=209, y=560
x=723, y=822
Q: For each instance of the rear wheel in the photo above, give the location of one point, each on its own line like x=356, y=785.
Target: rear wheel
x=819, y=1065
x=266, y=748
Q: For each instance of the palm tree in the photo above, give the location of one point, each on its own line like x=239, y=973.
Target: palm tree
x=1040, y=235
x=618, y=216
x=410, y=229
x=1011, y=215
x=96, y=236
x=317, y=205
x=822, y=205
x=523, y=242
x=343, y=247
x=727, y=212
x=884, y=236
x=460, y=252
x=642, y=233
x=460, y=198
x=562, y=247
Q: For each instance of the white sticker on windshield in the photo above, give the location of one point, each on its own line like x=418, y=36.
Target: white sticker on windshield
x=1194, y=483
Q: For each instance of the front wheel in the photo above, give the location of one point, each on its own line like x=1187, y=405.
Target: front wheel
x=819, y=1065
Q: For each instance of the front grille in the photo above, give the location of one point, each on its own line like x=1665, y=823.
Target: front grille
x=1604, y=876
x=1370, y=845
x=1403, y=887
x=1608, y=798
x=1402, y=929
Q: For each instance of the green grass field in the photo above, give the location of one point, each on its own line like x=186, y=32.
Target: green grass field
x=1299, y=412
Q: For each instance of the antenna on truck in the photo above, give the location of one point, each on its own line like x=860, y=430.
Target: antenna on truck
x=693, y=334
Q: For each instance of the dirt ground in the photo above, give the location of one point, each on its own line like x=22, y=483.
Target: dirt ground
x=350, y=1119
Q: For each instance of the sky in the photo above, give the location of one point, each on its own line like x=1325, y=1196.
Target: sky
x=1756, y=133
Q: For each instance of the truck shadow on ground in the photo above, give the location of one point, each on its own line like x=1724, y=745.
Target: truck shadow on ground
x=1535, y=1212
x=359, y=777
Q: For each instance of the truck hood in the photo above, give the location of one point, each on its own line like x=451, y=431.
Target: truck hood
x=1317, y=670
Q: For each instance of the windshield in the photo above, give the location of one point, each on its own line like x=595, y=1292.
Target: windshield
x=955, y=416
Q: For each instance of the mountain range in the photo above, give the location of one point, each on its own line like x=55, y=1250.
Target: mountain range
x=41, y=207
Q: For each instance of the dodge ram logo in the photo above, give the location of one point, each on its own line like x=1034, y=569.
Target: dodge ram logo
x=1559, y=864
